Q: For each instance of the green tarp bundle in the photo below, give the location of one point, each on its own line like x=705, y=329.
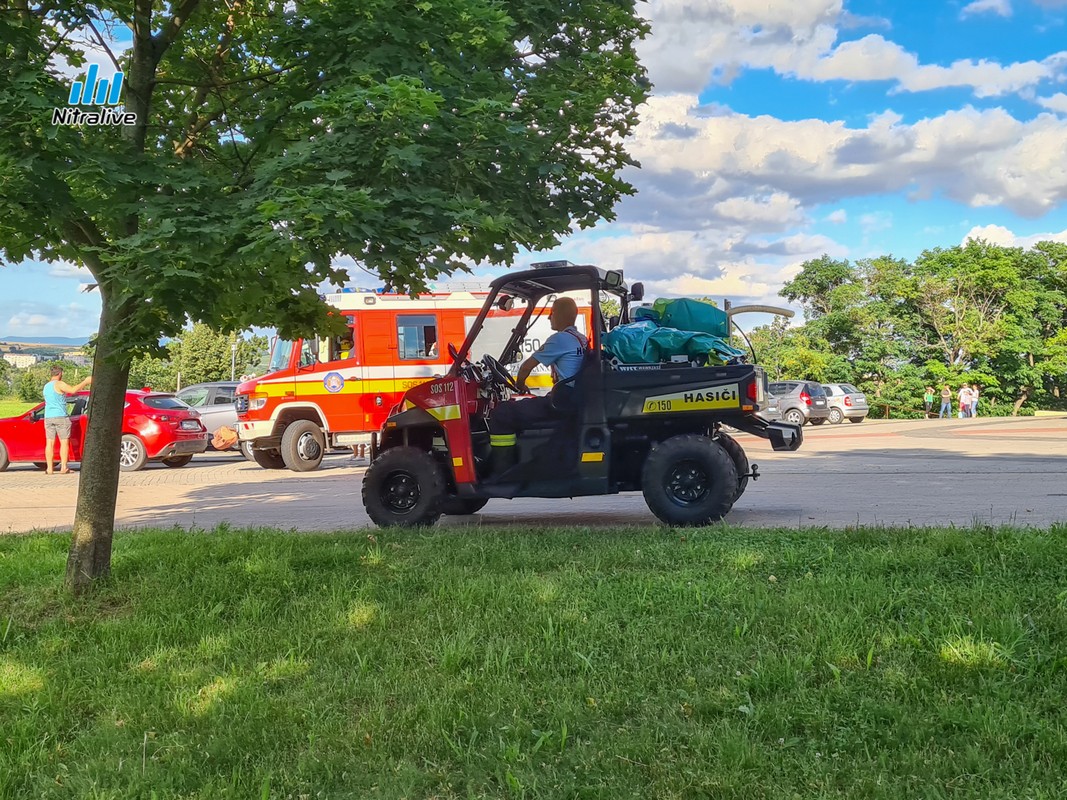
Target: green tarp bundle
x=687, y=315
x=645, y=342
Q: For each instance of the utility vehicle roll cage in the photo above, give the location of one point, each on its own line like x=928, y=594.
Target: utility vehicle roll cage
x=534, y=284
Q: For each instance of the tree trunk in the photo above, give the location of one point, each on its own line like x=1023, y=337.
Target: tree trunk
x=98, y=484
x=1024, y=395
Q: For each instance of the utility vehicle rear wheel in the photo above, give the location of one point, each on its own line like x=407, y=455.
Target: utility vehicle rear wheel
x=737, y=453
x=689, y=480
x=461, y=506
x=404, y=487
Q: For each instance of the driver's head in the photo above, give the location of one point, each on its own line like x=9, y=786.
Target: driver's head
x=564, y=313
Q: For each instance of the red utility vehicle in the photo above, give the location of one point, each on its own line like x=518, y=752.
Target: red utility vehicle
x=155, y=427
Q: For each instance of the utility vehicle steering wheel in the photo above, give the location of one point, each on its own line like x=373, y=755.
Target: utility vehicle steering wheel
x=499, y=375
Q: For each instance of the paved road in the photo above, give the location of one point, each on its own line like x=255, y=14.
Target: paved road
x=959, y=472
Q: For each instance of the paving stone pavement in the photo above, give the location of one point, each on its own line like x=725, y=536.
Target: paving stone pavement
x=921, y=472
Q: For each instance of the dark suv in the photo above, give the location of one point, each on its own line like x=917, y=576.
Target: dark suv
x=801, y=401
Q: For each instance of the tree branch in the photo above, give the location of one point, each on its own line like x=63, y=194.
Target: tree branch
x=172, y=27
x=100, y=40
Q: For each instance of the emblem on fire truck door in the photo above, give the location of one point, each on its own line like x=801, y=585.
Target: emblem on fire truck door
x=333, y=382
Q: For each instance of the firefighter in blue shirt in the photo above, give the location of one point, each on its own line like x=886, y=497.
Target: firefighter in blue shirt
x=563, y=352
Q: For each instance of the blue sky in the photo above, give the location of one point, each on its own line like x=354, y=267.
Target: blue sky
x=785, y=129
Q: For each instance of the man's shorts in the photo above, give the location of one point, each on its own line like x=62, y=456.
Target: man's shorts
x=56, y=426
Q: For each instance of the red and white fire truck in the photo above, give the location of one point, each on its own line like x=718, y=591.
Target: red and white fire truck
x=324, y=393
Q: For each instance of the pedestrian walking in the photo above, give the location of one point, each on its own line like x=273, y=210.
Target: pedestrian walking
x=928, y=400
x=56, y=419
x=946, y=403
x=974, y=400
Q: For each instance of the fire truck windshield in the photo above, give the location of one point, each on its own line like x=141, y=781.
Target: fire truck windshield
x=279, y=359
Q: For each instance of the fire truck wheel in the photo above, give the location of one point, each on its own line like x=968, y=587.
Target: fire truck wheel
x=737, y=453
x=268, y=459
x=303, y=446
x=404, y=487
x=177, y=461
x=689, y=480
x=461, y=506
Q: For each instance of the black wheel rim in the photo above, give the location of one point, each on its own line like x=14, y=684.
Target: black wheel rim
x=687, y=483
x=400, y=492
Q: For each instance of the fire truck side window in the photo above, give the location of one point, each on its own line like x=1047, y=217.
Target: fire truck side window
x=417, y=336
x=308, y=356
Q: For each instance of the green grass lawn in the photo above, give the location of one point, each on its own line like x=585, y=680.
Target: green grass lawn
x=12, y=408
x=722, y=663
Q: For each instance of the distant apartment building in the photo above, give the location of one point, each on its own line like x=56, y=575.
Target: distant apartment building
x=20, y=360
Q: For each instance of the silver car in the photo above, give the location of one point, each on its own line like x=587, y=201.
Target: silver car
x=846, y=402
x=214, y=401
x=800, y=402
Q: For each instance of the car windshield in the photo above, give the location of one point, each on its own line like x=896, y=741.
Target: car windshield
x=194, y=397
x=164, y=401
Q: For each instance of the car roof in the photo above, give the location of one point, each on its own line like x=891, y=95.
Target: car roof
x=209, y=383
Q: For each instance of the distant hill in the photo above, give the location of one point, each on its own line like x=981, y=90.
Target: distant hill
x=62, y=341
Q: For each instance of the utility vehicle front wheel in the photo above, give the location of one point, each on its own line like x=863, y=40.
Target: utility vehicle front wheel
x=404, y=487
x=689, y=480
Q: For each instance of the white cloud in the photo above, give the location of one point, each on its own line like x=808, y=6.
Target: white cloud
x=43, y=319
x=64, y=269
x=998, y=234
x=838, y=217
x=1057, y=102
x=1001, y=8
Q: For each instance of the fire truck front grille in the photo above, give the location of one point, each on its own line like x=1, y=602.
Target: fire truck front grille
x=241, y=403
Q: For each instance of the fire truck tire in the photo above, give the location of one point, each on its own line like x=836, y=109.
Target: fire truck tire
x=177, y=461
x=462, y=506
x=689, y=480
x=737, y=453
x=404, y=488
x=268, y=459
x=246, y=451
x=303, y=446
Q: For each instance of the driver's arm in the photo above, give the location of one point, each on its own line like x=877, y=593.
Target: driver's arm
x=525, y=369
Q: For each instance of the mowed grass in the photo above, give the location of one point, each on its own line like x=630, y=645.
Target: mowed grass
x=12, y=408
x=720, y=663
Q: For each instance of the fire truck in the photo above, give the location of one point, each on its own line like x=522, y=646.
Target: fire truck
x=324, y=393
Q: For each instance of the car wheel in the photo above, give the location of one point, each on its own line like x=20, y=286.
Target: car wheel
x=794, y=417
x=816, y=421
x=268, y=459
x=404, y=488
x=737, y=453
x=689, y=480
x=462, y=506
x=177, y=461
x=246, y=451
x=4, y=460
x=836, y=417
x=856, y=419
x=41, y=465
x=132, y=453
x=303, y=446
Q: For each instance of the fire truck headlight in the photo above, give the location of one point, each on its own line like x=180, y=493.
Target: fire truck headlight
x=256, y=401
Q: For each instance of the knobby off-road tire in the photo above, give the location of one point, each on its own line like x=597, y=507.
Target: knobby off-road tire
x=737, y=453
x=689, y=480
x=461, y=506
x=132, y=453
x=836, y=417
x=404, y=488
x=303, y=446
x=177, y=461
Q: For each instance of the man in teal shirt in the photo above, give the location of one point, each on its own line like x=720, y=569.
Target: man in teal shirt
x=56, y=420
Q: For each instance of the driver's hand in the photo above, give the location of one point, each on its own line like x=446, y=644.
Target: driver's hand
x=522, y=388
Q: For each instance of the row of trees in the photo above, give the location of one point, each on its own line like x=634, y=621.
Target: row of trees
x=976, y=313
x=195, y=355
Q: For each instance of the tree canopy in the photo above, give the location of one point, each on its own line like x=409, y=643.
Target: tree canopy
x=272, y=136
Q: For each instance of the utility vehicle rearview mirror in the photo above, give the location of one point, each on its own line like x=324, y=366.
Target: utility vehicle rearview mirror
x=637, y=292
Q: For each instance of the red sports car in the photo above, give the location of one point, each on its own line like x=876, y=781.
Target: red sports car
x=155, y=427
